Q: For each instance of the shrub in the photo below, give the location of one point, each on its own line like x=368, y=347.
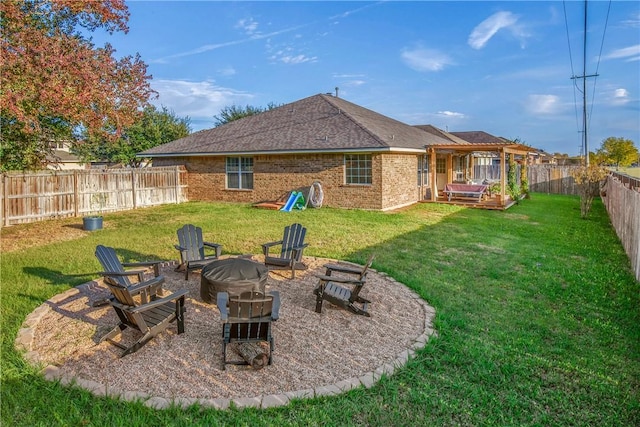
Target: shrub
x=589, y=180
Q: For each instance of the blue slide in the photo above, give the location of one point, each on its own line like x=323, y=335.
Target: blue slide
x=291, y=201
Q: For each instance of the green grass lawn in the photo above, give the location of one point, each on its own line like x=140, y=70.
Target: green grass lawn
x=635, y=172
x=537, y=313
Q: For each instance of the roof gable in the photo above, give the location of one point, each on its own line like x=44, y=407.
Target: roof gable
x=317, y=123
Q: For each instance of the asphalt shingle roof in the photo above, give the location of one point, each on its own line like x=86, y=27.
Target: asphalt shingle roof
x=479, y=137
x=319, y=123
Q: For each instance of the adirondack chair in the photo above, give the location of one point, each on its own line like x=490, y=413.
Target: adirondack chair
x=334, y=288
x=192, y=249
x=115, y=271
x=247, y=319
x=291, y=247
x=140, y=305
x=149, y=318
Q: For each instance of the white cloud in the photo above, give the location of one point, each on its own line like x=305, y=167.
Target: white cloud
x=198, y=100
x=296, y=59
x=631, y=53
x=227, y=71
x=488, y=28
x=633, y=22
x=543, y=104
x=451, y=114
x=354, y=83
x=210, y=47
x=421, y=59
x=249, y=26
x=350, y=80
x=620, y=96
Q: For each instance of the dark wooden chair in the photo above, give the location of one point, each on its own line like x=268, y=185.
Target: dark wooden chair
x=344, y=289
x=140, y=306
x=192, y=249
x=291, y=247
x=247, y=319
x=115, y=270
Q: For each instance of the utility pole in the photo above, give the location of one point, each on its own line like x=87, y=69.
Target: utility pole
x=584, y=76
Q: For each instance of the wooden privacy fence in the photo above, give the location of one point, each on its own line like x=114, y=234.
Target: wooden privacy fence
x=57, y=194
x=551, y=179
x=623, y=204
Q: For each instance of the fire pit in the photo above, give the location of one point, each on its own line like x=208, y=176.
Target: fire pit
x=232, y=275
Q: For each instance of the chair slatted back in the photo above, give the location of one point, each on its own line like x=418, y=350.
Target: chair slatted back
x=110, y=262
x=190, y=238
x=363, y=277
x=251, y=314
x=121, y=294
x=293, y=237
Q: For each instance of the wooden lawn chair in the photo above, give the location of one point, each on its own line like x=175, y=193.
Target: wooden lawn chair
x=139, y=305
x=115, y=271
x=247, y=319
x=192, y=249
x=334, y=289
x=291, y=247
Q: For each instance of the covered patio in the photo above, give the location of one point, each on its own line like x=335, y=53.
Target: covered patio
x=457, y=173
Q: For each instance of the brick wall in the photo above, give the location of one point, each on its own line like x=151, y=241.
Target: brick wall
x=275, y=175
x=399, y=180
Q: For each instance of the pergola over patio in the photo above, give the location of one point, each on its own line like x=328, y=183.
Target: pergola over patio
x=449, y=151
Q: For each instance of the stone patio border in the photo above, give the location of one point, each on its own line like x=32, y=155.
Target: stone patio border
x=26, y=336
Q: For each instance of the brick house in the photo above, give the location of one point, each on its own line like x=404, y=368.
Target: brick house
x=361, y=158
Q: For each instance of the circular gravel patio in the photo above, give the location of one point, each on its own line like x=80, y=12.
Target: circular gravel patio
x=315, y=354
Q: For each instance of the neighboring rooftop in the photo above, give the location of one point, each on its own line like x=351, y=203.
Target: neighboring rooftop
x=479, y=137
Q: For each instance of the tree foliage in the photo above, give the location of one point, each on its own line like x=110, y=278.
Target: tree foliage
x=236, y=112
x=54, y=82
x=513, y=189
x=155, y=127
x=617, y=151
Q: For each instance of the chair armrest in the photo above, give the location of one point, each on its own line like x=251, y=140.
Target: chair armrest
x=275, y=308
x=297, y=248
x=138, y=273
x=266, y=246
x=142, y=286
x=339, y=279
x=217, y=247
x=174, y=296
x=223, y=299
x=343, y=268
x=154, y=264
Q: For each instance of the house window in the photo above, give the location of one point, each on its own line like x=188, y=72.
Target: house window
x=458, y=168
x=357, y=168
x=441, y=165
x=423, y=170
x=240, y=173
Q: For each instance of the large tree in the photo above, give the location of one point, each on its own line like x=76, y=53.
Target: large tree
x=236, y=112
x=55, y=84
x=618, y=151
x=153, y=128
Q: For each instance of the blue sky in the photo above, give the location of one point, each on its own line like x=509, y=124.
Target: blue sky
x=501, y=67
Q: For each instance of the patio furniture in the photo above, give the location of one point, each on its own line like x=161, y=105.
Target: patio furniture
x=192, y=249
x=232, y=275
x=114, y=270
x=291, y=247
x=334, y=288
x=139, y=306
x=247, y=319
x=465, y=191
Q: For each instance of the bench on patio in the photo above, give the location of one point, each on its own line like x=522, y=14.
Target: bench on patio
x=465, y=191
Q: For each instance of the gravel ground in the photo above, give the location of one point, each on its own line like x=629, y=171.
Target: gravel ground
x=312, y=350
